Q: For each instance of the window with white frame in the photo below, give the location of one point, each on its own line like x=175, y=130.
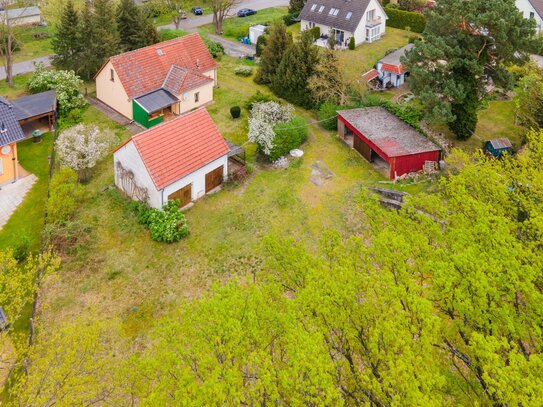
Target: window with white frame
x=349, y=15
x=373, y=34
x=370, y=15
x=321, y=8
x=313, y=7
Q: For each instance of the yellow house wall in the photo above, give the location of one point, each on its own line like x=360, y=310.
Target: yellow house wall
x=9, y=165
x=111, y=92
x=187, y=103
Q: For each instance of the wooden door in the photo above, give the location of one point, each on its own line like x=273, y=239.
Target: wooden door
x=364, y=150
x=214, y=178
x=184, y=195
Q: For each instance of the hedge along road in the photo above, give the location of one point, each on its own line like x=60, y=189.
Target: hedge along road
x=189, y=24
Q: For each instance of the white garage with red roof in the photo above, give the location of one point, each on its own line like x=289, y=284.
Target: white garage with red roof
x=184, y=158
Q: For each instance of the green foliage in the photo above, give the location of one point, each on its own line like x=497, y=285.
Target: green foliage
x=290, y=19
x=315, y=32
x=135, y=30
x=261, y=43
x=465, y=117
x=288, y=136
x=234, y=31
x=412, y=5
x=258, y=97
x=66, y=42
x=243, y=70
x=328, y=83
x=328, y=111
x=235, y=112
x=166, y=34
x=65, y=83
x=64, y=196
x=352, y=44
x=402, y=19
x=296, y=6
x=215, y=48
x=167, y=225
x=529, y=99
x=277, y=42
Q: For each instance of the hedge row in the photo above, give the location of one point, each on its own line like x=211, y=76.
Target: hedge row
x=402, y=19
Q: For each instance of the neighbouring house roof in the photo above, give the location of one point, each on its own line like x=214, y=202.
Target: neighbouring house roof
x=10, y=129
x=392, y=135
x=155, y=101
x=354, y=9
x=145, y=70
x=177, y=148
x=538, y=59
x=538, y=6
x=179, y=80
x=500, y=143
x=371, y=74
x=392, y=62
x=20, y=12
x=39, y=104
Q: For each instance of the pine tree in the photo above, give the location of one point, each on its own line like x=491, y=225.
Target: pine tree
x=135, y=31
x=297, y=66
x=277, y=42
x=67, y=40
x=295, y=6
x=89, y=62
x=105, y=27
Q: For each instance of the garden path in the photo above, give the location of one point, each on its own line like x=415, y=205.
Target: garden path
x=12, y=195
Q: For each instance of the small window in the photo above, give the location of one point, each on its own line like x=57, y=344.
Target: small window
x=321, y=8
x=370, y=15
x=349, y=15
x=532, y=15
x=313, y=7
x=112, y=75
x=334, y=11
x=196, y=97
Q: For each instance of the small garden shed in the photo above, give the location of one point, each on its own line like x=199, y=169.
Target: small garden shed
x=498, y=147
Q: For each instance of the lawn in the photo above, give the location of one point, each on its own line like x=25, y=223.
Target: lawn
x=19, y=86
x=236, y=27
x=33, y=47
x=27, y=221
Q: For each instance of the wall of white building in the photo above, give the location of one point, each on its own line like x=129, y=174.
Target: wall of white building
x=526, y=8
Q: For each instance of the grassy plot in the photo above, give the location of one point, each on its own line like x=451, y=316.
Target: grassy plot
x=19, y=86
x=32, y=46
x=236, y=27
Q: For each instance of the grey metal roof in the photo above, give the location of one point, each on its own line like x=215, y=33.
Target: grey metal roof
x=21, y=12
x=392, y=135
x=234, y=148
x=501, y=143
x=339, y=21
x=394, y=57
x=39, y=104
x=10, y=129
x=154, y=101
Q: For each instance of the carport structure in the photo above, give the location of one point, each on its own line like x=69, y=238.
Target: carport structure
x=34, y=111
x=377, y=132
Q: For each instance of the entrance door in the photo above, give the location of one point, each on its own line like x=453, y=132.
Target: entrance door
x=184, y=195
x=214, y=178
x=364, y=150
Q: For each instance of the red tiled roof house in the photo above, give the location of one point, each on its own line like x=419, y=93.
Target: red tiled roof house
x=159, y=81
x=184, y=158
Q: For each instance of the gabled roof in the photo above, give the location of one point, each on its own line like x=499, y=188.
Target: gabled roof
x=371, y=74
x=181, y=79
x=177, y=148
x=500, y=143
x=38, y=104
x=144, y=70
x=347, y=18
x=392, y=62
x=10, y=129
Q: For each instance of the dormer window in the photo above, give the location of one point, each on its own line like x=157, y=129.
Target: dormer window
x=313, y=7
x=321, y=8
x=333, y=11
x=349, y=15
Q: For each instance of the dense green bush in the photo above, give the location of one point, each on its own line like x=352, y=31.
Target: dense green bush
x=64, y=196
x=290, y=19
x=215, y=48
x=328, y=111
x=235, y=111
x=288, y=136
x=402, y=19
x=169, y=34
x=352, y=44
x=167, y=225
x=256, y=98
x=315, y=32
x=243, y=70
x=261, y=43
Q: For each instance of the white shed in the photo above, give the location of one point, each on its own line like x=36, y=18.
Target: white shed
x=256, y=31
x=184, y=158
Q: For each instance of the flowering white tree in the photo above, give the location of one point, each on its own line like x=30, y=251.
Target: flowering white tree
x=264, y=116
x=80, y=147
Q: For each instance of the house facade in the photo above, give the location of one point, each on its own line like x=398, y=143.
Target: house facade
x=159, y=82
x=183, y=159
x=10, y=134
x=391, y=71
x=363, y=20
x=532, y=9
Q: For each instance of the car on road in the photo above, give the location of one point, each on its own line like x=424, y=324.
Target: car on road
x=244, y=12
x=197, y=11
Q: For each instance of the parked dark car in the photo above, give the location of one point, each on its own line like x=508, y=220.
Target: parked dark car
x=244, y=12
x=197, y=11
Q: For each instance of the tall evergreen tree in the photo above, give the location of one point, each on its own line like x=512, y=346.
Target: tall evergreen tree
x=297, y=66
x=465, y=41
x=277, y=42
x=106, y=31
x=89, y=61
x=135, y=31
x=295, y=6
x=67, y=40
x=328, y=84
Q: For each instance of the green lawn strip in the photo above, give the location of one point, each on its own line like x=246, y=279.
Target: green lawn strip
x=236, y=27
x=31, y=46
x=27, y=220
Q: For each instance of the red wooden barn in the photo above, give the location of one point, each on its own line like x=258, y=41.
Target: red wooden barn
x=377, y=132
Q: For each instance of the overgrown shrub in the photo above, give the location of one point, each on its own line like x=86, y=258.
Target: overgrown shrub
x=402, y=19
x=167, y=225
x=235, y=111
x=71, y=119
x=290, y=19
x=288, y=136
x=406, y=113
x=64, y=196
x=22, y=249
x=243, y=70
x=215, y=48
x=261, y=43
x=169, y=34
x=63, y=236
x=328, y=115
x=258, y=97
x=315, y=32
x=352, y=44
x=155, y=9
x=412, y=39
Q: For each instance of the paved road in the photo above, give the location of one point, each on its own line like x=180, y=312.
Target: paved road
x=25, y=66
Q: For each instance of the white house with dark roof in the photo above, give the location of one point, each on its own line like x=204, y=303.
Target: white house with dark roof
x=532, y=9
x=362, y=19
